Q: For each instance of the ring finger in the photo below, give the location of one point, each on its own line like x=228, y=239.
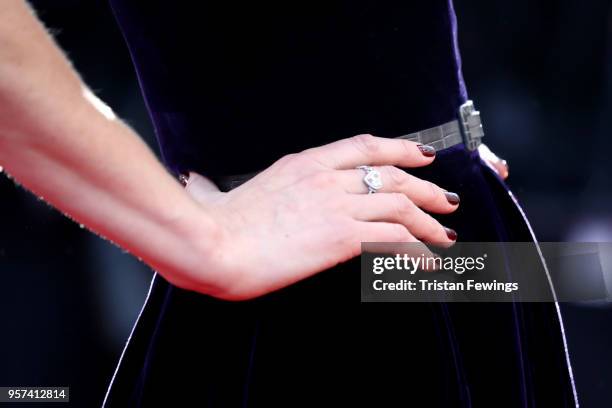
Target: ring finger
x=424, y=194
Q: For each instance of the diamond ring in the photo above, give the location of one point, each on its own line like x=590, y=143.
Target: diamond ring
x=372, y=179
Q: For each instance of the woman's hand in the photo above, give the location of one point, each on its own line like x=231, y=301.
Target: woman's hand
x=310, y=211
x=304, y=214
x=499, y=165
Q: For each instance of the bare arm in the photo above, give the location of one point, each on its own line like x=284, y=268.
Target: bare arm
x=304, y=214
x=82, y=160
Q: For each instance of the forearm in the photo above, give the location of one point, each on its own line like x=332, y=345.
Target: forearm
x=89, y=165
x=304, y=214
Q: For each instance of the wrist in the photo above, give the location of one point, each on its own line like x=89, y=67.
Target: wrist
x=200, y=238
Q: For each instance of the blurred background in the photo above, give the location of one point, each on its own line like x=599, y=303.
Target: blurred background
x=540, y=72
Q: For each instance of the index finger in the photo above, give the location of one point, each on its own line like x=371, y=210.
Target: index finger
x=373, y=151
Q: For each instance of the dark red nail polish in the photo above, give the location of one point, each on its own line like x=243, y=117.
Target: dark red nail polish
x=452, y=197
x=451, y=234
x=427, y=151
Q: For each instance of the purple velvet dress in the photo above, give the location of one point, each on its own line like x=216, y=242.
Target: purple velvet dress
x=231, y=87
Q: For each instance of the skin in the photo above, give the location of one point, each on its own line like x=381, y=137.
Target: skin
x=305, y=213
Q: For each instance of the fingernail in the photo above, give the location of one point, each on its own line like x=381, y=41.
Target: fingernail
x=452, y=197
x=451, y=234
x=427, y=151
x=507, y=167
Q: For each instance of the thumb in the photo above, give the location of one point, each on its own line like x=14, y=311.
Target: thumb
x=201, y=188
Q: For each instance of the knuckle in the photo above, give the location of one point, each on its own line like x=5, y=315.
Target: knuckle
x=437, y=231
x=348, y=239
x=408, y=146
x=307, y=155
x=297, y=163
x=432, y=191
x=351, y=247
x=396, y=176
x=366, y=144
x=400, y=233
x=355, y=247
x=337, y=204
x=403, y=206
x=287, y=159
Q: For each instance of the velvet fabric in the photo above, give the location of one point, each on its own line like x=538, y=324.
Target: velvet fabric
x=257, y=80
x=231, y=88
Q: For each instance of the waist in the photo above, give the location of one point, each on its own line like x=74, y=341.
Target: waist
x=458, y=137
x=217, y=136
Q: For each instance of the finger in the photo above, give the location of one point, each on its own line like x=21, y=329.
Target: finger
x=371, y=150
x=499, y=165
x=424, y=194
x=383, y=232
x=397, y=208
x=199, y=187
x=502, y=168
